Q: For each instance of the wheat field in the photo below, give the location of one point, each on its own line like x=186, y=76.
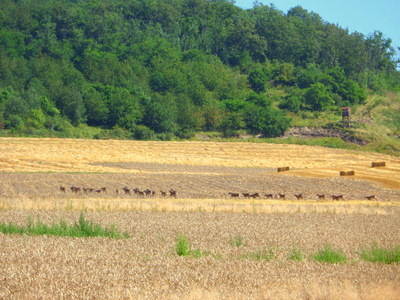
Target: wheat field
x=146, y=266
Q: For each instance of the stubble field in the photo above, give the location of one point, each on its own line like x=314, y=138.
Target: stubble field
x=242, y=245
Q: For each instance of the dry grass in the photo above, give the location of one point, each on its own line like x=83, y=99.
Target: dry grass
x=68, y=155
x=146, y=265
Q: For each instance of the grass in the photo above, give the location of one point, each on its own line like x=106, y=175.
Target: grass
x=81, y=228
x=262, y=255
x=329, y=255
x=378, y=254
x=236, y=241
x=182, y=247
x=296, y=254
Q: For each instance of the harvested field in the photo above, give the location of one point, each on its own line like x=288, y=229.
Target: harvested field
x=146, y=265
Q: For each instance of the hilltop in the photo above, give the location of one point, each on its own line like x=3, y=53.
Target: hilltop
x=168, y=70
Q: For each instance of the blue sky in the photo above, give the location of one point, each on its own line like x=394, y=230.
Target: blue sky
x=364, y=16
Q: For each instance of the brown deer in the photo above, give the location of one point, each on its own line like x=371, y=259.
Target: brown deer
x=321, y=196
x=246, y=195
x=337, y=197
x=371, y=197
x=164, y=194
x=269, y=196
x=299, y=196
x=234, y=195
x=62, y=189
x=126, y=190
x=255, y=195
x=281, y=196
x=173, y=193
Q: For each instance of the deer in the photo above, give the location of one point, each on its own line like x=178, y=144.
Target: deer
x=299, y=196
x=173, y=193
x=164, y=194
x=321, y=196
x=126, y=190
x=246, y=195
x=371, y=197
x=269, y=196
x=234, y=195
x=337, y=197
x=62, y=189
x=255, y=195
x=281, y=196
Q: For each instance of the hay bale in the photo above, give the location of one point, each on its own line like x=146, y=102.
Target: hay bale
x=348, y=173
x=378, y=164
x=283, y=169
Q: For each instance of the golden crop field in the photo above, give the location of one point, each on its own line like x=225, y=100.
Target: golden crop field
x=242, y=244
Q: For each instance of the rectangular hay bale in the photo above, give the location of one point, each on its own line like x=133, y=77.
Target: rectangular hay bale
x=348, y=173
x=283, y=169
x=378, y=164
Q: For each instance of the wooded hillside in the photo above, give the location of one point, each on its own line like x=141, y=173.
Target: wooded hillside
x=156, y=69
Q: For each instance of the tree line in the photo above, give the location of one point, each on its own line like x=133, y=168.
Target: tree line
x=160, y=69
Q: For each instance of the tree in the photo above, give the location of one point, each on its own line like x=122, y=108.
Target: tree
x=257, y=80
x=318, y=96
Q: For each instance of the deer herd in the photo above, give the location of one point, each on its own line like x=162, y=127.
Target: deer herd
x=125, y=191
x=173, y=193
x=297, y=196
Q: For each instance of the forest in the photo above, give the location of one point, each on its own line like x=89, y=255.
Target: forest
x=164, y=70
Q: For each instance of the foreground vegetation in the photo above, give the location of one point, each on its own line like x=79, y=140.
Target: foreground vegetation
x=165, y=70
x=81, y=228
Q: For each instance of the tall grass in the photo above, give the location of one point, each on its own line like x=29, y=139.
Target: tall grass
x=329, y=255
x=378, y=254
x=81, y=228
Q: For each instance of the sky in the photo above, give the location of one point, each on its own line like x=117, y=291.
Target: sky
x=364, y=16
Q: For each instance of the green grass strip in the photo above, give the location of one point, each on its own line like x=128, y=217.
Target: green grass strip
x=81, y=228
x=378, y=254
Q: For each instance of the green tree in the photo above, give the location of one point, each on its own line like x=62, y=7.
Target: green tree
x=318, y=97
x=257, y=80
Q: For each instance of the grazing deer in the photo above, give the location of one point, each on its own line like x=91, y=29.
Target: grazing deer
x=246, y=195
x=321, y=196
x=371, y=197
x=126, y=190
x=173, y=193
x=269, y=196
x=337, y=197
x=255, y=195
x=234, y=195
x=62, y=189
x=75, y=189
x=299, y=196
x=148, y=192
